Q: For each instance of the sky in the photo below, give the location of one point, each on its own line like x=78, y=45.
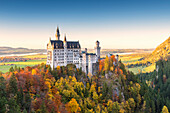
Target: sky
x=117, y=24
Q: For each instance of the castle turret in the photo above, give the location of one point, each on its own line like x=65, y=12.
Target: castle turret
x=65, y=50
x=57, y=34
x=85, y=50
x=65, y=41
x=97, y=49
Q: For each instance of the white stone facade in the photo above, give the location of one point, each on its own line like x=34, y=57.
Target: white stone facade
x=61, y=53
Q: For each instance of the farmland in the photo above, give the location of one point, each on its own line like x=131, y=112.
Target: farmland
x=133, y=58
x=32, y=60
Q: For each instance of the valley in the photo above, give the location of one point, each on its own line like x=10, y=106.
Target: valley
x=126, y=55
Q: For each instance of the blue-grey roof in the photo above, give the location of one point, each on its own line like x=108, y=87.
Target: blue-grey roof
x=58, y=44
x=90, y=54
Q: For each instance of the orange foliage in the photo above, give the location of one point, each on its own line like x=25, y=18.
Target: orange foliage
x=73, y=106
x=101, y=65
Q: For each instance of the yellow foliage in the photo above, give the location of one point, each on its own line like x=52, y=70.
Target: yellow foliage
x=34, y=72
x=95, y=96
x=165, y=109
x=111, y=68
x=15, y=72
x=138, y=86
x=92, y=89
x=66, y=93
x=131, y=102
x=121, y=111
x=48, y=84
x=88, y=86
x=98, y=89
x=73, y=106
x=74, y=80
x=58, y=68
x=110, y=105
x=89, y=75
x=98, y=109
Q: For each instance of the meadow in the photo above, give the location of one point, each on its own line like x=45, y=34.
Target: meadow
x=5, y=66
x=132, y=58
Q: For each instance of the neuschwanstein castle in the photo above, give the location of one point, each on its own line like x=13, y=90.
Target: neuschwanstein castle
x=61, y=53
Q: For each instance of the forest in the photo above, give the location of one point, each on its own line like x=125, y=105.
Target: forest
x=158, y=82
x=66, y=89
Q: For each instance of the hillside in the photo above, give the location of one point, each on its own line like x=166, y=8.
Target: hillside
x=20, y=50
x=148, y=60
x=162, y=51
x=66, y=89
x=104, y=52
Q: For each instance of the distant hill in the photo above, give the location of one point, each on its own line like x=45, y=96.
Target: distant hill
x=162, y=51
x=104, y=52
x=20, y=50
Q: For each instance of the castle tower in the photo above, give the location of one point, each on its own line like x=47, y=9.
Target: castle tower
x=97, y=49
x=57, y=34
x=85, y=50
x=65, y=51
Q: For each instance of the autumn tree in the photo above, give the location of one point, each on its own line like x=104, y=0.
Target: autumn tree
x=12, y=85
x=165, y=110
x=106, y=64
x=73, y=106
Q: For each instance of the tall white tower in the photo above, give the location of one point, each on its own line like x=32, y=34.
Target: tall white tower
x=97, y=49
x=65, y=51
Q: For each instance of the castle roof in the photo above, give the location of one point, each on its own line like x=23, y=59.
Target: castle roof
x=73, y=44
x=90, y=54
x=58, y=44
x=83, y=52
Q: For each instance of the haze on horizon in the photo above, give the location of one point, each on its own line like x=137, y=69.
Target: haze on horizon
x=116, y=24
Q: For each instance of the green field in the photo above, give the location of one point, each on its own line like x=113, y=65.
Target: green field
x=137, y=69
x=142, y=69
x=134, y=58
x=130, y=59
x=4, y=67
x=35, y=56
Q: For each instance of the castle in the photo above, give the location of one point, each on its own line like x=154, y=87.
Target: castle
x=61, y=53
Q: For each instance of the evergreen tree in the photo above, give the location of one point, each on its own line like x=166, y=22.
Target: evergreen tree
x=12, y=87
x=11, y=69
x=13, y=106
x=43, y=108
x=27, y=104
x=20, y=98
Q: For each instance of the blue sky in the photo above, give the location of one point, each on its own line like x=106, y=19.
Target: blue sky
x=115, y=23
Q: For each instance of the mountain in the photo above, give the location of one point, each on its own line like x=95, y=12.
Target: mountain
x=20, y=50
x=162, y=51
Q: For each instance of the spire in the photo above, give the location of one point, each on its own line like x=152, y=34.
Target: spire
x=57, y=29
x=65, y=39
x=49, y=39
x=57, y=34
